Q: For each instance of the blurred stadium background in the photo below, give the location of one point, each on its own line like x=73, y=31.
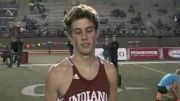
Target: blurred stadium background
x=137, y=23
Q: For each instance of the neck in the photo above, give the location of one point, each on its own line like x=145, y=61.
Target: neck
x=83, y=60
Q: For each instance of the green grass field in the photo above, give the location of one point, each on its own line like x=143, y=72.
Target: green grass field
x=139, y=80
x=13, y=80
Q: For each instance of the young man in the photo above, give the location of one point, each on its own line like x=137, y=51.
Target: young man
x=169, y=87
x=83, y=76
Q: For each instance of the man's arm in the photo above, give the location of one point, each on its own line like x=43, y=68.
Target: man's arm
x=51, y=87
x=176, y=90
x=112, y=77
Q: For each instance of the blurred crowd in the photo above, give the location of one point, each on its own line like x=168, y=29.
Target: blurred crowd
x=130, y=22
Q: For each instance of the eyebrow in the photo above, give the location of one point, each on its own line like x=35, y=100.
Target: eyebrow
x=85, y=28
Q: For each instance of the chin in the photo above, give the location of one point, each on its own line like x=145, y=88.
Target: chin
x=86, y=52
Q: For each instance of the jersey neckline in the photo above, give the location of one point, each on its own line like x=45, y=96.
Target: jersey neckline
x=76, y=71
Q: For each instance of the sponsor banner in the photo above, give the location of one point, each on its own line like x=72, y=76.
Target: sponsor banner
x=144, y=53
x=122, y=53
x=171, y=53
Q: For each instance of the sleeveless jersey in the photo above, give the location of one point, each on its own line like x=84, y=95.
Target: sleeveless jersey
x=82, y=89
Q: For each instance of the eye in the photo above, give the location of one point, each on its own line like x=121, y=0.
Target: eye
x=77, y=32
x=90, y=30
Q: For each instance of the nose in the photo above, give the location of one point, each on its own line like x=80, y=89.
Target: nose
x=84, y=36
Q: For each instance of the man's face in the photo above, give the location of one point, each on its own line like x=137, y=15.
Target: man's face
x=83, y=36
x=114, y=38
x=106, y=41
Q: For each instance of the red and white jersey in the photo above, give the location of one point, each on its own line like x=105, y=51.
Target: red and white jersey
x=82, y=89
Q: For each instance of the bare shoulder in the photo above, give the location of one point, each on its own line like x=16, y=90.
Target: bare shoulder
x=109, y=67
x=111, y=73
x=59, y=70
x=55, y=79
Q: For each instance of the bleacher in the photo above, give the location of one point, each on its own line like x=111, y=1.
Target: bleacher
x=8, y=13
x=157, y=17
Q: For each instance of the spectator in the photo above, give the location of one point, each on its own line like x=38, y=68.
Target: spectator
x=106, y=48
x=19, y=52
x=5, y=54
x=113, y=53
x=16, y=47
x=113, y=49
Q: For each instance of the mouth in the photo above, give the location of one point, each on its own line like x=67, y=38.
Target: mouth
x=85, y=45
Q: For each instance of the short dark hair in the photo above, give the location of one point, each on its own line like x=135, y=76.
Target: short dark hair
x=162, y=89
x=78, y=12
